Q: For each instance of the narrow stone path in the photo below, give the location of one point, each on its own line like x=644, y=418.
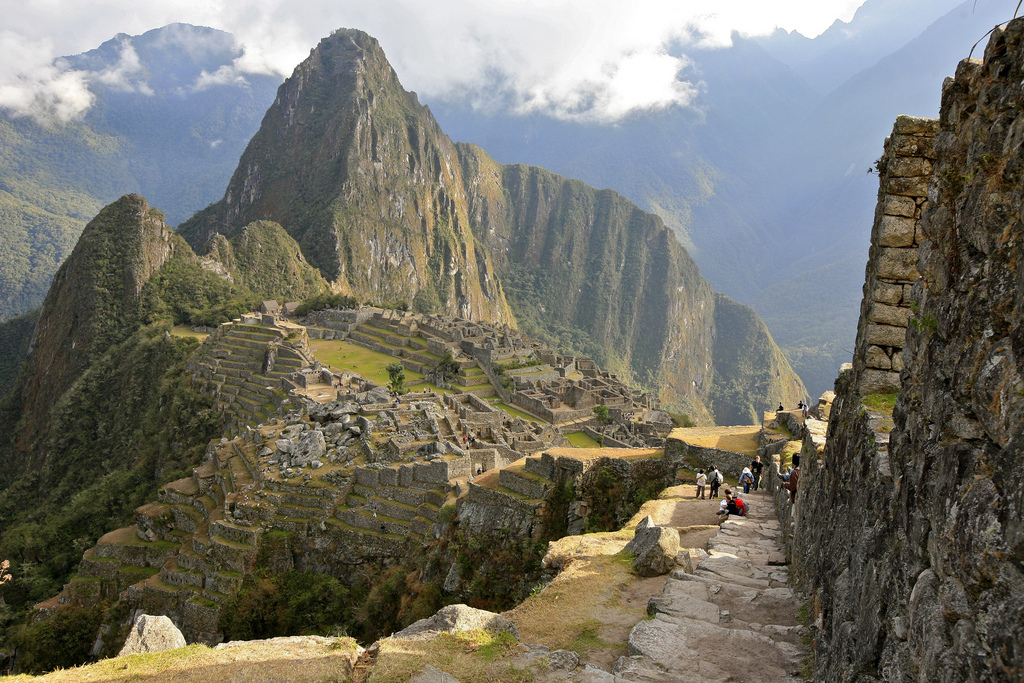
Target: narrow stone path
x=733, y=619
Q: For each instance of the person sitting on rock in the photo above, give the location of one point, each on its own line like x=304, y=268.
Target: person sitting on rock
x=731, y=505
x=723, y=509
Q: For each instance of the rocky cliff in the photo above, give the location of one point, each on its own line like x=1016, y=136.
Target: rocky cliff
x=390, y=210
x=95, y=298
x=911, y=543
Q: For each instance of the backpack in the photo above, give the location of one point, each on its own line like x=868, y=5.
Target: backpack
x=718, y=479
x=741, y=507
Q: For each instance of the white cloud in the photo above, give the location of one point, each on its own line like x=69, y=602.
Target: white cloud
x=577, y=59
x=124, y=75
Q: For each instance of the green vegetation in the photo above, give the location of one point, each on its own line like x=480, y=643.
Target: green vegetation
x=15, y=336
x=324, y=301
x=295, y=603
x=581, y=440
x=342, y=355
x=396, y=377
x=184, y=292
x=613, y=499
x=601, y=413
x=881, y=403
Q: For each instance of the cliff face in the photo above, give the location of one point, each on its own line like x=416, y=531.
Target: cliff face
x=390, y=210
x=911, y=544
x=95, y=298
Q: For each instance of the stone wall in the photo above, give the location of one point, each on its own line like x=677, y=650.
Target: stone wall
x=910, y=542
x=904, y=169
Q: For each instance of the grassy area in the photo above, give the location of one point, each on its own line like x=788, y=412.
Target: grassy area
x=323, y=659
x=582, y=440
x=186, y=331
x=515, y=412
x=477, y=656
x=736, y=439
x=368, y=364
x=882, y=403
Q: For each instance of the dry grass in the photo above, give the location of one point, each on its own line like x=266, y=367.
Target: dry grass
x=743, y=439
x=474, y=656
x=262, y=661
x=592, y=604
x=186, y=331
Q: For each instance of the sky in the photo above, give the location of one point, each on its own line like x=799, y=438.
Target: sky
x=593, y=60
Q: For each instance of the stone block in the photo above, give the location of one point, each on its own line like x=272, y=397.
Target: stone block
x=908, y=167
x=908, y=291
x=879, y=382
x=877, y=358
x=896, y=264
x=908, y=187
x=899, y=206
x=896, y=231
x=913, y=145
x=897, y=361
x=887, y=293
x=886, y=335
x=654, y=547
x=152, y=634
x=915, y=125
x=898, y=316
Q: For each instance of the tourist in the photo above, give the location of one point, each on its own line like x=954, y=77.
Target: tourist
x=794, y=480
x=780, y=409
x=702, y=481
x=715, y=479
x=731, y=505
x=757, y=469
x=746, y=479
x=723, y=509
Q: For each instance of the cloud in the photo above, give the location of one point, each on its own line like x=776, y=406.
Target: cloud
x=40, y=88
x=124, y=75
x=597, y=60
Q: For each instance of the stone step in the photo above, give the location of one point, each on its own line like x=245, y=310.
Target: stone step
x=299, y=512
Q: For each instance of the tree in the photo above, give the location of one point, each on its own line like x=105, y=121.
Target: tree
x=447, y=368
x=396, y=373
x=601, y=412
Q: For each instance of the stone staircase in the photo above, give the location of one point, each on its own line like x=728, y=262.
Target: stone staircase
x=734, y=617
x=244, y=366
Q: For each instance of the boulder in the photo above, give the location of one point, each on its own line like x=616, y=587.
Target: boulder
x=152, y=634
x=455, y=618
x=654, y=548
x=310, y=446
x=429, y=674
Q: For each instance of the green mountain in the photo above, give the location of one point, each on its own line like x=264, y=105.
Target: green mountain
x=390, y=210
x=161, y=130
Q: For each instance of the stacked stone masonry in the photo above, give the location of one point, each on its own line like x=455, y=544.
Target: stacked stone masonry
x=887, y=307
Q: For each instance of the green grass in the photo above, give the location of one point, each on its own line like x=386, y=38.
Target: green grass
x=882, y=403
x=517, y=413
x=582, y=440
x=368, y=364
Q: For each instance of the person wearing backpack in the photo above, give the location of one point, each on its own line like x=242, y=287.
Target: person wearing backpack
x=715, y=479
x=746, y=479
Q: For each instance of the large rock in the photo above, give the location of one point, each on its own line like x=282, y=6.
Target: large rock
x=152, y=634
x=310, y=446
x=454, y=618
x=654, y=547
x=429, y=674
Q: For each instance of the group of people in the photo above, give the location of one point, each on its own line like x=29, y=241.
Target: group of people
x=749, y=479
x=804, y=408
